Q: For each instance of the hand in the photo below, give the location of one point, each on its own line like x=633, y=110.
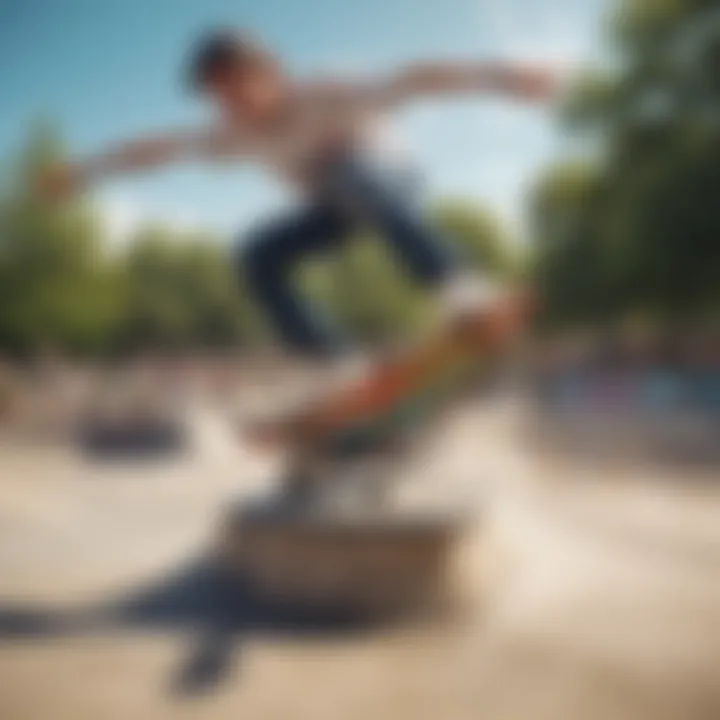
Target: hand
x=60, y=182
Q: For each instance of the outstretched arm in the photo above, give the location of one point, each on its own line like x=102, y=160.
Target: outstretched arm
x=525, y=82
x=134, y=156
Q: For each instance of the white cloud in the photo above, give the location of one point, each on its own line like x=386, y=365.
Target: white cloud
x=554, y=32
x=120, y=218
x=123, y=215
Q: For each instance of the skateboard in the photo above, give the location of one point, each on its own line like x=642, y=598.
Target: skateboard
x=398, y=394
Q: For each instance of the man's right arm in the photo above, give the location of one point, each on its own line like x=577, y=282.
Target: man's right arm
x=135, y=156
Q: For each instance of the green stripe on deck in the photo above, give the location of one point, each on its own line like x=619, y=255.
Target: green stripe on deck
x=414, y=407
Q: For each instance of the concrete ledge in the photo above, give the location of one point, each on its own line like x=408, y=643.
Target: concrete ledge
x=361, y=563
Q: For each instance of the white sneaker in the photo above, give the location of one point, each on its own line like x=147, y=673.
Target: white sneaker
x=468, y=294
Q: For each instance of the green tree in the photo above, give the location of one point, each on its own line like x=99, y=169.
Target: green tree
x=55, y=287
x=180, y=292
x=478, y=236
x=637, y=233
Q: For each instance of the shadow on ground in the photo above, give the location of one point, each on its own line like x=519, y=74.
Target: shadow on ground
x=217, y=610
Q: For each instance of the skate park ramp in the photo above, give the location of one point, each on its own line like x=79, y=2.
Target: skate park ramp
x=605, y=605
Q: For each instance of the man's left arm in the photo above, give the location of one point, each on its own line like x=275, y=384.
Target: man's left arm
x=524, y=82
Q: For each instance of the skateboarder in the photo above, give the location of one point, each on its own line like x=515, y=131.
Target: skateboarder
x=323, y=136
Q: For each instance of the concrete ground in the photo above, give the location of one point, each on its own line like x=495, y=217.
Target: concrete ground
x=607, y=603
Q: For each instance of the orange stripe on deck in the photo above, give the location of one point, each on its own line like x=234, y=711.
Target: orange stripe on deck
x=375, y=394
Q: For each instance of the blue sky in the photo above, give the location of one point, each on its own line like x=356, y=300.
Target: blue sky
x=105, y=70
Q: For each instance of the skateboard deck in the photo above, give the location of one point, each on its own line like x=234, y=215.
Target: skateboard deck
x=400, y=393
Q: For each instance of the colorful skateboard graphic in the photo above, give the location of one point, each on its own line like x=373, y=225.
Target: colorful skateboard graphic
x=400, y=393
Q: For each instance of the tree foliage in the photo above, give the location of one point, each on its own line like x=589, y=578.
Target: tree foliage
x=635, y=230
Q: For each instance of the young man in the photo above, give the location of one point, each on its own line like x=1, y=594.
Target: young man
x=322, y=137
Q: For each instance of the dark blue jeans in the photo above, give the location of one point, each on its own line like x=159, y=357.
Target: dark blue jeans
x=353, y=195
